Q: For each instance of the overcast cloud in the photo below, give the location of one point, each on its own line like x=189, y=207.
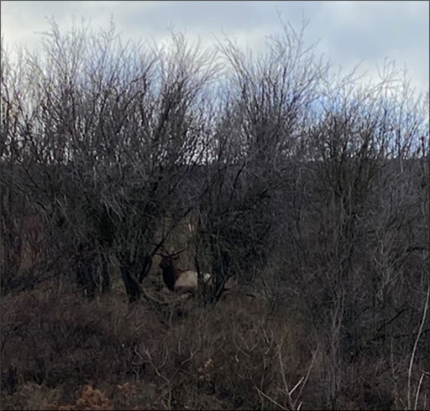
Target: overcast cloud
x=348, y=31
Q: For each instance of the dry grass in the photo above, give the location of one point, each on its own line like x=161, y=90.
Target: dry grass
x=69, y=353
x=183, y=355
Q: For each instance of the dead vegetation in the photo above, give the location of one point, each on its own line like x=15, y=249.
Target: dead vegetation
x=182, y=356
x=304, y=196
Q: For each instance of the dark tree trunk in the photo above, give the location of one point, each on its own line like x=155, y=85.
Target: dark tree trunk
x=85, y=270
x=132, y=286
x=106, y=283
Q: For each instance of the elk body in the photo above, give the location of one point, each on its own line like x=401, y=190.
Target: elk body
x=179, y=280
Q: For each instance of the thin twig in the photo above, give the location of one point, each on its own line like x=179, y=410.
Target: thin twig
x=270, y=399
x=411, y=363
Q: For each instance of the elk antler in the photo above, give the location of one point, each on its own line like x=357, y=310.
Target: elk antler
x=162, y=250
x=165, y=253
x=179, y=252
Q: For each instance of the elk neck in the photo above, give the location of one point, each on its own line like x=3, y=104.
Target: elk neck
x=170, y=274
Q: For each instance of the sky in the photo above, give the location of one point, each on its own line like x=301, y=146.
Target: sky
x=347, y=32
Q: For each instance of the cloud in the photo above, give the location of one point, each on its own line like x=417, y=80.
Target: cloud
x=348, y=31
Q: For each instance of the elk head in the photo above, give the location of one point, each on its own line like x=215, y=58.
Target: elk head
x=168, y=266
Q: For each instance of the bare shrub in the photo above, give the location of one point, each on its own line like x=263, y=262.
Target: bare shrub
x=306, y=191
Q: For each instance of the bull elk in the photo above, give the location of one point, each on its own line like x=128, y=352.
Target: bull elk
x=179, y=280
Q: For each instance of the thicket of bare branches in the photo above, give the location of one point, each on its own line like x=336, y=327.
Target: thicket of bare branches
x=302, y=183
